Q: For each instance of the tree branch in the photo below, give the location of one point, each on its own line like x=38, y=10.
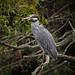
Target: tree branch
x=36, y=47
x=24, y=46
x=53, y=68
x=66, y=57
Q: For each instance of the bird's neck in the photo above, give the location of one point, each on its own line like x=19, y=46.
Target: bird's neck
x=36, y=23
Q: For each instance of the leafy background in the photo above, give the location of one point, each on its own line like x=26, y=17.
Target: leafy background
x=11, y=24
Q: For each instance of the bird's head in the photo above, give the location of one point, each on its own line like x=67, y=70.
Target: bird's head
x=32, y=18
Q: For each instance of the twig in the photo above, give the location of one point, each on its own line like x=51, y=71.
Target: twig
x=13, y=64
x=30, y=42
x=64, y=35
x=61, y=27
x=32, y=56
x=69, y=3
x=65, y=41
x=68, y=46
x=38, y=51
x=25, y=37
x=64, y=17
x=20, y=47
x=53, y=68
x=72, y=27
x=19, y=34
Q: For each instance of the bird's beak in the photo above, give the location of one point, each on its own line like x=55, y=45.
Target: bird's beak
x=27, y=18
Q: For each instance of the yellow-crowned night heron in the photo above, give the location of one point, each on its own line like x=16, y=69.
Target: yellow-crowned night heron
x=42, y=36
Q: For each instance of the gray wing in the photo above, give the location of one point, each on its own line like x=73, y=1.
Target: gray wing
x=46, y=41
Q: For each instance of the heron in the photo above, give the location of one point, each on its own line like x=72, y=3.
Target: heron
x=43, y=37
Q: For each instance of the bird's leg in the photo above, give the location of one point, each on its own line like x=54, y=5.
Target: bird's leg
x=43, y=56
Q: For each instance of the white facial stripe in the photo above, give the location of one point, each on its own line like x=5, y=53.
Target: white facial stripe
x=31, y=15
x=34, y=18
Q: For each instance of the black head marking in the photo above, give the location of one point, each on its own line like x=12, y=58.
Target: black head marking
x=34, y=18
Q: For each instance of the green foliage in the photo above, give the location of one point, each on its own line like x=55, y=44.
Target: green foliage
x=47, y=67
x=43, y=20
x=0, y=69
x=11, y=12
x=6, y=73
x=37, y=1
x=67, y=70
x=56, y=72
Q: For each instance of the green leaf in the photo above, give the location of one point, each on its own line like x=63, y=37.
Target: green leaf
x=37, y=1
x=56, y=72
x=0, y=69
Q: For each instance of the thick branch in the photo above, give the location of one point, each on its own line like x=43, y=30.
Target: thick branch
x=66, y=57
x=65, y=41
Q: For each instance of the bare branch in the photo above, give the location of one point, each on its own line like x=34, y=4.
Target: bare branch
x=68, y=46
x=25, y=37
x=36, y=47
x=42, y=65
x=13, y=64
x=64, y=17
x=32, y=56
x=64, y=35
x=72, y=27
x=61, y=27
x=65, y=41
x=66, y=57
x=69, y=3
x=24, y=46
x=53, y=68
